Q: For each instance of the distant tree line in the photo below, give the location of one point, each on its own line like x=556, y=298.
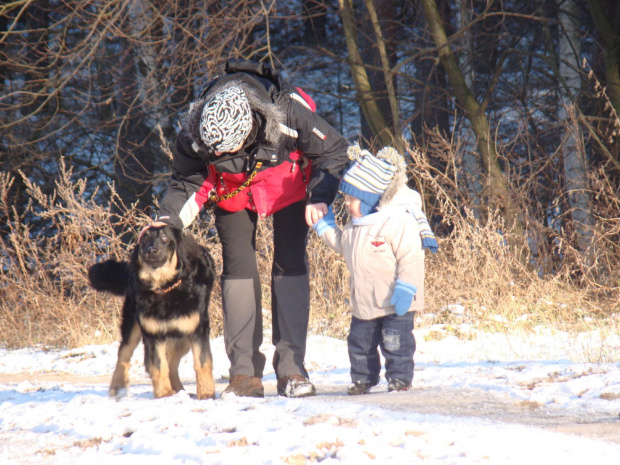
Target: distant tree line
x=514, y=105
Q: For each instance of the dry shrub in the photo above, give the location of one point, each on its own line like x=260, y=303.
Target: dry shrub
x=43, y=277
x=478, y=270
x=45, y=297
x=329, y=287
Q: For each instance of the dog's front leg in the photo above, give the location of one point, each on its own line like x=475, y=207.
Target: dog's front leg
x=203, y=365
x=156, y=364
x=176, y=351
x=130, y=338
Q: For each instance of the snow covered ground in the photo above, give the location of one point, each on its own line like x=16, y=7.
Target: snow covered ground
x=54, y=407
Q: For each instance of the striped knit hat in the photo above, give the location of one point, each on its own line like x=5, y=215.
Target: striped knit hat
x=369, y=176
x=226, y=120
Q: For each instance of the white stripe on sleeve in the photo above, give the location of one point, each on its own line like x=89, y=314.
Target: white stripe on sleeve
x=190, y=211
x=288, y=131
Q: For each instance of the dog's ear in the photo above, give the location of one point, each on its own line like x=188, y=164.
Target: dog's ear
x=135, y=252
x=188, y=252
x=183, y=254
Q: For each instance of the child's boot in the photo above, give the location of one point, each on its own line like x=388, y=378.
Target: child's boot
x=359, y=387
x=397, y=385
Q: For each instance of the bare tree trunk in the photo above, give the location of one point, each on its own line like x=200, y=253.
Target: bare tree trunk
x=369, y=105
x=141, y=107
x=432, y=102
x=386, y=68
x=607, y=22
x=497, y=191
x=467, y=146
x=573, y=150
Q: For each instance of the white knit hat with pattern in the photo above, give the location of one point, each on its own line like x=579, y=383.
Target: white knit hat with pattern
x=226, y=120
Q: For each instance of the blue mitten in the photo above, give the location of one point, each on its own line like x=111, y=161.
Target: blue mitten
x=325, y=223
x=402, y=296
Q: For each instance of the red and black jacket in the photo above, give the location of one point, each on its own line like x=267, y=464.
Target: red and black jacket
x=306, y=162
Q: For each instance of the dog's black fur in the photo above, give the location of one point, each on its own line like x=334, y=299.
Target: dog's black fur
x=167, y=286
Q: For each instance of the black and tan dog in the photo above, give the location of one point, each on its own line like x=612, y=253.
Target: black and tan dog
x=167, y=287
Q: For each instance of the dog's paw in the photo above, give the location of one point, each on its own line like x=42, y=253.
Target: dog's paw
x=205, y=395
x=118, y=392
x=163, y=391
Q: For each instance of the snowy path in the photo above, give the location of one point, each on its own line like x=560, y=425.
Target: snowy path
x=478, y=403
x=535, y=399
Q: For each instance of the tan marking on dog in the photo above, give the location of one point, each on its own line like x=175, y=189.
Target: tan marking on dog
x=175, y=350
x=120, y=378
x=183, y=324
x=160, y=376
x=205, y=386
x=157, y=277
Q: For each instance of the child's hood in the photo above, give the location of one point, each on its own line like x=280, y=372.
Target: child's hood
x=401, y=196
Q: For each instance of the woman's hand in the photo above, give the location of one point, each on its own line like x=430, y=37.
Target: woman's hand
x=154, y=224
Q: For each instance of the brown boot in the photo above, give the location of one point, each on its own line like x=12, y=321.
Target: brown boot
x=295, y=386
x=244, y=386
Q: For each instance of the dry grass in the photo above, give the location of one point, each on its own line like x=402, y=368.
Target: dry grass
x=478, y=270
x=45, y=298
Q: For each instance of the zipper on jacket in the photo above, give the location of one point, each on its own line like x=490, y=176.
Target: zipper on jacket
x=293, y=168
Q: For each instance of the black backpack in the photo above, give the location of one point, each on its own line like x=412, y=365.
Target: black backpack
x=235, y=69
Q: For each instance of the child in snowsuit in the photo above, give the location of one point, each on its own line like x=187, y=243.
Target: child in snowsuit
x=383, y=245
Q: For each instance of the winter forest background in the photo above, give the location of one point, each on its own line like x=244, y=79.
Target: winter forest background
x=507, y=113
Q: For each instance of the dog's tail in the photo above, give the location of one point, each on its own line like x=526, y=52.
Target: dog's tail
x=111, y=276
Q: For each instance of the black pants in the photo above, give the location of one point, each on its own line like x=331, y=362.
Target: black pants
x=241, y=291
x=394, y=335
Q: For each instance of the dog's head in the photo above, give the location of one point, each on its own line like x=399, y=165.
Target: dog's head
x=156, y=256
